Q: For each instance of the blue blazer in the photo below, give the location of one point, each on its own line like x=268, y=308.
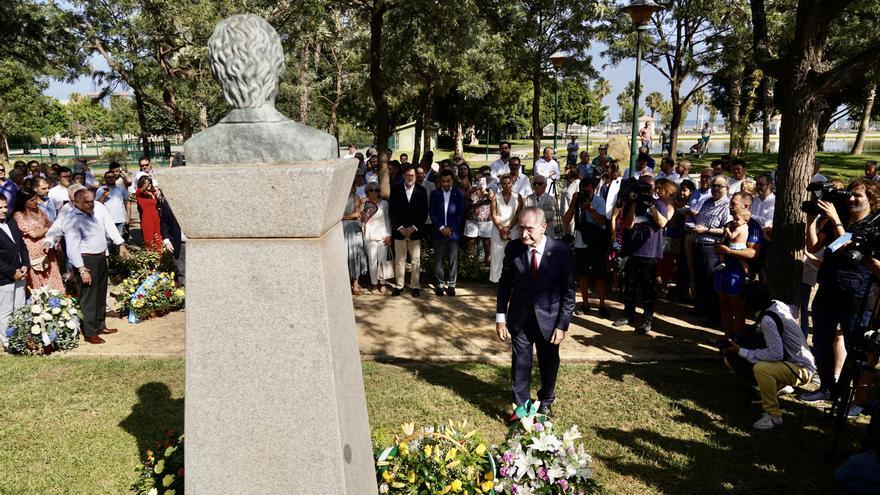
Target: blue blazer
x=454, y=214
x=550, y=296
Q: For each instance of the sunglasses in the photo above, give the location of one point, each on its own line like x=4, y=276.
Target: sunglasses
x=719, y=186
x=540, y=183
x=372, y=190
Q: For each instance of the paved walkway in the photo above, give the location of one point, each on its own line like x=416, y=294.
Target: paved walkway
x=446, y=329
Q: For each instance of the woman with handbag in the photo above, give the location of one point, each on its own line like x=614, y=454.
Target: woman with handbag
x=34, y=224
x=377, y=238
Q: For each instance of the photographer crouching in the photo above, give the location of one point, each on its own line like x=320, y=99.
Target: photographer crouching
x=843, y=223
x=644, y=218
x=781, y=360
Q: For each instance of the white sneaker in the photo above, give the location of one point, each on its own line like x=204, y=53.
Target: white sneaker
x=786, y=390
x=767, y=422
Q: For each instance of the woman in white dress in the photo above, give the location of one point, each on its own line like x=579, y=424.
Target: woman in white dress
x=377, y=237
x=506, y=206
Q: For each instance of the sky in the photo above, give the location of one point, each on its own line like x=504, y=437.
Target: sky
x=619, y=76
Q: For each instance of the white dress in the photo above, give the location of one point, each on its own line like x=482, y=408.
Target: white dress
x=505, y=212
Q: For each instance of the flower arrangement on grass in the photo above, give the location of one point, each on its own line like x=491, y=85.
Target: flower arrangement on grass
x=536, y=460
x=149, y=297
x=440, y=459
x=48, y=321
x=162, y=472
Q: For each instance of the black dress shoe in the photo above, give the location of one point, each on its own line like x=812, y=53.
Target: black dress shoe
x=438, y=291
x=417, y=292
x=644, y=328
x=450, y=291
x=546, y=410
x=603, y=312
x=396, y=292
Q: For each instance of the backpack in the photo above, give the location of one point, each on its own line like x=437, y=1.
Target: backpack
x=752, y=338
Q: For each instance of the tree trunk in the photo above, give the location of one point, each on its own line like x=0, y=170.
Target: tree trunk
x=426, y=124
x=459, y=140
x=417, y=139
x=377, y=90
x=767, y=104
x=333, y=125
x=537, y=131
x=824, y=124
x=142, y=123
x=859, y=145
x=797, y=149
x=203, y=115
x=4, y=146
x=733, y=114
x=304, y=83
x=675, y=118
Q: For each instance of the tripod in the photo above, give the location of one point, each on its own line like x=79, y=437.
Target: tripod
x=843, y=392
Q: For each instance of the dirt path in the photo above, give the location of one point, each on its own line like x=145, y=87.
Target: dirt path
x=445, y=329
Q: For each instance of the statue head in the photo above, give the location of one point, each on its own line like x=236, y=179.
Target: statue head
x=247, y=59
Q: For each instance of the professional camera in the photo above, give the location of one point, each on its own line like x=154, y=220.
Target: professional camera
x=824, y=191
x=635, y=191
x=871, y=341
x=865, y=241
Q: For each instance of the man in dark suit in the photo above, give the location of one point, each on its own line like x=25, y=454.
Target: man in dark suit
x=14, y=263
x=535, y=302
x=447, y=217
x=408, y=209
x=173, y=238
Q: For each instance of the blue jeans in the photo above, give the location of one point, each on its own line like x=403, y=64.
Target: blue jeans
x=828, y=313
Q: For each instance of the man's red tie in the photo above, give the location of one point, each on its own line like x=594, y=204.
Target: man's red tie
x=534, y=263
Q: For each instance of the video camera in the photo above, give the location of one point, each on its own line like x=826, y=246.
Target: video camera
x=865, y=242
x=871, y=342
x=824, y=191
x=634, y=191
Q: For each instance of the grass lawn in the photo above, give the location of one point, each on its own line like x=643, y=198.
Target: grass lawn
x=80, y=425
x=834, y=165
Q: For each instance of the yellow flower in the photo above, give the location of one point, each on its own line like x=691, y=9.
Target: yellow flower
x=428, y=449
x=455, y=485
x=387, y=476
x=160, y=466
x=451, y=454
x=403, y=448
x=167, y=480
x=487, y=485
x=169, y=492
x=411, y=477
x=453, y=464
x=398, y=484
x=489, y=476
x=480, y=449
x=170, y=450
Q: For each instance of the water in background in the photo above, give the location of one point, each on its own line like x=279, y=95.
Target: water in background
x=833, y=145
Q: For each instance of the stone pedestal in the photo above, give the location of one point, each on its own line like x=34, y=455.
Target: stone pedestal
x=274, y=390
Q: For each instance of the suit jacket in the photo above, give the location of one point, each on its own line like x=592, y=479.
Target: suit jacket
x=10, y=253
x=405, y=213
x=550, y=296
x=169, y=226
x=454, y=218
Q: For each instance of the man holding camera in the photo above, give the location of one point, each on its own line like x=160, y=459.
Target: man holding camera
x=785, y=361
x=843, y=278
x=591, y=241
x=644, y=218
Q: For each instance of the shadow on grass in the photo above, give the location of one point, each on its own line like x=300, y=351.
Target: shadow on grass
x=155, y=409
x=729, y=454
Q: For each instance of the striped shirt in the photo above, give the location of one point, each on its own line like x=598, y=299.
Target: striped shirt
x=713, y=214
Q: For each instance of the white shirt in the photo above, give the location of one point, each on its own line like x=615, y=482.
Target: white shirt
x=762, y=210
x=734, y=185
x=58, y=196
x=550, y=169
x=537, y=251
x=499, y=168
x=371, y=176
x=408, y=191
x=522, y=186
x=446, y=196
x=83, y=234
x=100, y=213
x=137, y=175
x=670, y=176
x=639, y=173
x=115, y=203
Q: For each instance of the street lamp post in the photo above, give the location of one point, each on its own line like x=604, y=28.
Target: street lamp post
x=640, y=11
x=557, y=59
x=589, y=122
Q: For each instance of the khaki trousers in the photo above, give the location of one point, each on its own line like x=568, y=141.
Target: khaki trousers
x=414, y=248
x=772, y=376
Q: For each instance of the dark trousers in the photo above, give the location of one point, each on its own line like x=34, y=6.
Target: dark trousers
x=639, y=286
x=446, y=250
x=93, y=297
x=705, y=261
x=521, y=364
x=180, y=264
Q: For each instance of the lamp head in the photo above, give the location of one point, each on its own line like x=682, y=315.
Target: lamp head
x=640, y=11
x=558, y=58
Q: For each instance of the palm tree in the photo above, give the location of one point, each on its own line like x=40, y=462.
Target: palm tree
x=653, y=101
x=602, y=88
x=699, y=99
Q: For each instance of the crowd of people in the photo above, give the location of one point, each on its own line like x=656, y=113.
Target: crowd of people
x=699, y=237
x=60, y=226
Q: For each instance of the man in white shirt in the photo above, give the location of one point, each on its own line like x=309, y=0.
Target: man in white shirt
x=351, y=151
x=500, y=166
x=116, y=200
x=738, y=172
x=521, y=183
x=667, y=170
x=146, y=168
x=548, y=167
x=683, y=170
x=764, y=202
x=58, y=194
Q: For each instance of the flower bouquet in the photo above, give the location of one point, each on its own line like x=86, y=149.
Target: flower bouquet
x=436, y=460
x=48, y=321
x=535, y=460
x=162, y=472
x=150, y=296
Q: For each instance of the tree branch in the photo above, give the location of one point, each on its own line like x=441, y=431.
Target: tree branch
x=851, y=70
